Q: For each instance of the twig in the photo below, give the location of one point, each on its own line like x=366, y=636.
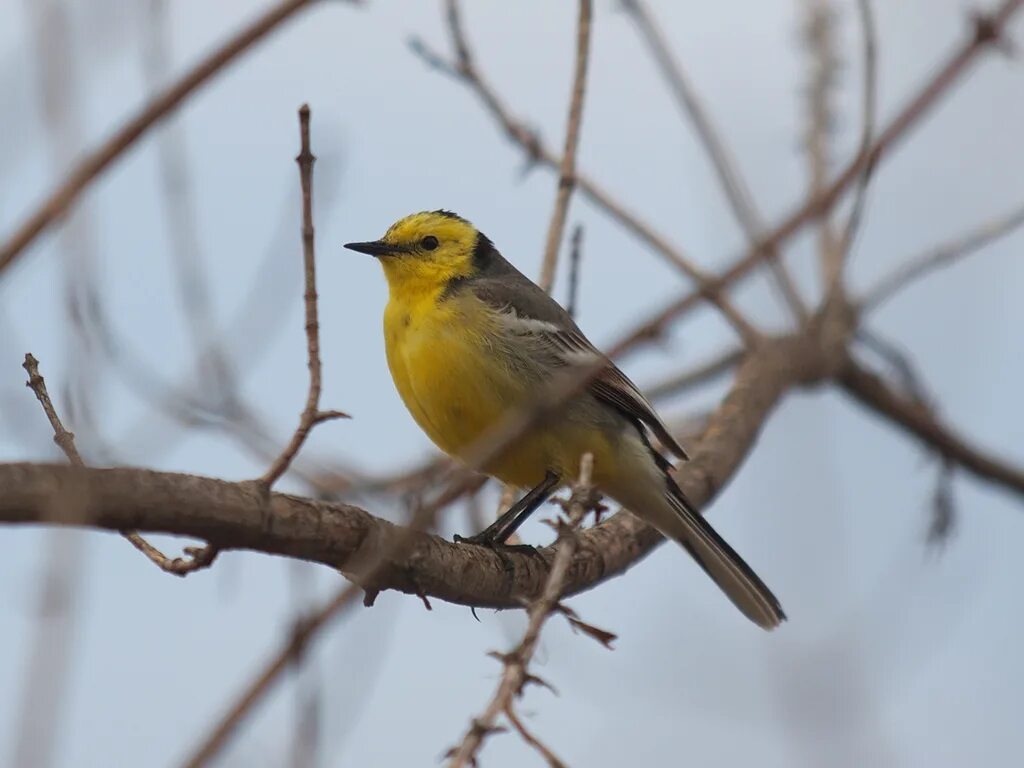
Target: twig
x=97, y=161
x=516, y=662
x=869, y=101
x=465, y=70
x=199, y=557
x=311, y=414
x=872, y=391
x=550, y=757
x=939, y=256
x=736, y=190
x=820, y=42
x=64, y=439
x=575, y=254
x=567, y=168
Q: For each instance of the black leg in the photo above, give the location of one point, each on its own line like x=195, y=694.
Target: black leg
x=498, y=532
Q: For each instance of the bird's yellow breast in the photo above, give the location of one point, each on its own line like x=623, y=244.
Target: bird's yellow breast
x=451, y=375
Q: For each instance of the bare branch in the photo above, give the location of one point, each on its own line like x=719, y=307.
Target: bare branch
x=550, y=757
x=940, y=256
x=819, y=37
x=869, y=101
x=567, y=168
x=97, y=161
x=517, y=661
x=736, y=190
x=64, y=439
x=311, y=414
x=231, y=515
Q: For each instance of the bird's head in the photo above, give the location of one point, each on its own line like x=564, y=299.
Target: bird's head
x=429, y=249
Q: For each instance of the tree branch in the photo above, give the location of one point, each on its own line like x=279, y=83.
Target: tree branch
x=517, y=661
x=567, y=169
x=241, y=516
x=311, y=414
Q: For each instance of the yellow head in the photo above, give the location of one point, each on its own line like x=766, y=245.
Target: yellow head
x=424, y=251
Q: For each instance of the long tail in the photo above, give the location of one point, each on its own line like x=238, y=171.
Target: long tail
x=720, y=561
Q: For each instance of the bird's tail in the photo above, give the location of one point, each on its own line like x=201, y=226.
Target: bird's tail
x=720, y=561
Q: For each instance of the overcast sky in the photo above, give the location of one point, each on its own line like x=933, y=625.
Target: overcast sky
x=896, y=654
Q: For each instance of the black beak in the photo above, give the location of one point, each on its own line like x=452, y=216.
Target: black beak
x=376, y=248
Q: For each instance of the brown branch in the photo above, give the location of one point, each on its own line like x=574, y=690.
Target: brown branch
x=567, y=168
x=465, y=70
x=517, y=661
x=231, y=515
x=869, y=108
x=819, y=37
x=735, y=187
x=550, y=757
x=916, y=418
x=311, y=413
x=96, y=162
x=941, y=255
x=62, y=437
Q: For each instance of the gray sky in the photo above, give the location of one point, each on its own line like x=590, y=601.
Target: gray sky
x=894, y=653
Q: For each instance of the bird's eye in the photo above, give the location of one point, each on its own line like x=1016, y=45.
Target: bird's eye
x=428, y=243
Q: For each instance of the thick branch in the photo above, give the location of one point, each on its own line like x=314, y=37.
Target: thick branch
x=241, y=516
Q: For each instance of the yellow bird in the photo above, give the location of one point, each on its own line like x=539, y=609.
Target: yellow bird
x=470, y=339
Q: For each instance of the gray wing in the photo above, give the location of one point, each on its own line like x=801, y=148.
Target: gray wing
x=530, y=311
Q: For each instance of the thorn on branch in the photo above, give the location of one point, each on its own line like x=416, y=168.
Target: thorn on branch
x=603, y=636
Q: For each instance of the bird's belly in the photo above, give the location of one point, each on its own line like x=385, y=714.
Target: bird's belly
x=457, y=389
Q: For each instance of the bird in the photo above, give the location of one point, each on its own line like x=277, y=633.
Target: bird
x=470, y=339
